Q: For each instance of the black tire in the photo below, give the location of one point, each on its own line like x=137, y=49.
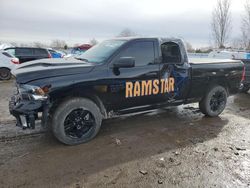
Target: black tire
x=70, y=115
x=5, y=74
x=214, y=102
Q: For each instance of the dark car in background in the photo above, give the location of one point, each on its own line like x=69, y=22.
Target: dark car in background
x=28, y=53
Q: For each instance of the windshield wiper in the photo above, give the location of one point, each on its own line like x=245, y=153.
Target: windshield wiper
x=82, y=59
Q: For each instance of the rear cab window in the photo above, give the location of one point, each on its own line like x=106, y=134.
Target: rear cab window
x=171, y=53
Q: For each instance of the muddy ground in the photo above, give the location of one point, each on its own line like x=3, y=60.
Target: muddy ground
x=173, y=147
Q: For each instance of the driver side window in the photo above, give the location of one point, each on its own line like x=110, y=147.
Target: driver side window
x=141, y=51
x=170, y=53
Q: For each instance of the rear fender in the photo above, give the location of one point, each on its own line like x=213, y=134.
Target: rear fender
x=222, y=81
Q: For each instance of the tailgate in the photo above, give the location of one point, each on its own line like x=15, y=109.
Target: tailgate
x=247, y=65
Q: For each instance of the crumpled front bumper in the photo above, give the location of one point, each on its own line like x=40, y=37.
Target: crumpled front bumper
x=26, y=111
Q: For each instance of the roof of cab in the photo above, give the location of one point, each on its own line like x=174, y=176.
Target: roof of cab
x=161, y=39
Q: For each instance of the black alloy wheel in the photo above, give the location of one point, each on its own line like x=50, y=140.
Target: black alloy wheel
x=218, y=101
x=78, y=122
x=214, y=101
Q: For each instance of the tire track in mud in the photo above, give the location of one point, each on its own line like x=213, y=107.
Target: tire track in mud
x=9, y=132
x=20, y=137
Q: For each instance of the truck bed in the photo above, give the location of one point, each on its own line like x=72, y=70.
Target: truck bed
x=211, y=60
x=206, y=71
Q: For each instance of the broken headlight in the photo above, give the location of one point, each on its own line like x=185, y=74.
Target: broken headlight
x=33, y=92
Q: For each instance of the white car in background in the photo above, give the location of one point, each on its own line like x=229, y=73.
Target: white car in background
x=7, y=63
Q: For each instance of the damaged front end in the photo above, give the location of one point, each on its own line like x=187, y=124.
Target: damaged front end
x=27, y=102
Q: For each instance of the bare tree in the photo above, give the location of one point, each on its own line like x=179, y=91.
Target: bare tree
x=58, y=44
x=93, y=42
x=245, y=27
x=221, y=23
x=126, y=33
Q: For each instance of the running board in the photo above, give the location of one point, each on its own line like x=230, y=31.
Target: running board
x=146, y=108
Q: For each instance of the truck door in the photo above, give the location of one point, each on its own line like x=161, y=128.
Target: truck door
x=132, y=85
x=174, y=71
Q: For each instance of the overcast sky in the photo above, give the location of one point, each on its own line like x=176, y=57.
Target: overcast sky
x=77, y=21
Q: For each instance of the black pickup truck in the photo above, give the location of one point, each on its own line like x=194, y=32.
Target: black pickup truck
x=116, y=77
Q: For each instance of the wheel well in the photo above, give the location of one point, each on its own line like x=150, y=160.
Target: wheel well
x=219, y=82
x=5, y=68
x=55, y=101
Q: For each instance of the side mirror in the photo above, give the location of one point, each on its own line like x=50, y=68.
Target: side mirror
x=124, y=62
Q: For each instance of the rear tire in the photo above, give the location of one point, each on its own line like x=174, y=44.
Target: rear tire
x=76, y=121
x=214, y=101
x=5, y=74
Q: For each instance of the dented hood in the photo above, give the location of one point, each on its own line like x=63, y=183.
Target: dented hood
x=46, y=68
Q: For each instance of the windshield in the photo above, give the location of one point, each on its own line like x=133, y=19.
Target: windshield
x=102, y=51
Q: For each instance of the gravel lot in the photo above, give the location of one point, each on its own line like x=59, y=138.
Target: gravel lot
x=173, y=147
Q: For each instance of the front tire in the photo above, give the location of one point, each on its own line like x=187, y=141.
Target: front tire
x=76, y=121
x=214, y=101
x=5, y=74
